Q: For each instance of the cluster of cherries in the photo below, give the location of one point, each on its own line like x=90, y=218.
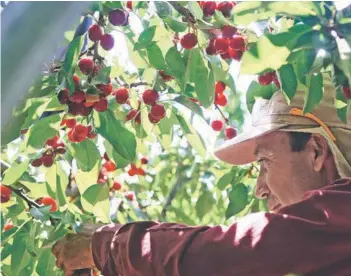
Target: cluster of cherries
x=78, y=133
x=209, y=7
x=134, y=170
x=268, y=78
x=54, y=146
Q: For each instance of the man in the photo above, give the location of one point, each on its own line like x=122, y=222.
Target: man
x=304, y=175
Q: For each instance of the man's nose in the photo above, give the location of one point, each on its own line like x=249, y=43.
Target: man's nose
x=261, y=191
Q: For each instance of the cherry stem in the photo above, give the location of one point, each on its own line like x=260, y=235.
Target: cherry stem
x=220, y=111
x=188, y=16
x=20, y=193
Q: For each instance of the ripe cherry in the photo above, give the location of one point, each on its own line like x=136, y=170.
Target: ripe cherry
x=101, y=105
x=118, y=17
x=228, y=31
x=346, y=89
x=95, y=32
x=217, y=125
x=230, y=132
x=79, y=133
x=221, y=99
x=208, y=8
x=76, y=81
x=46, y=200
x=110, y=166
x=132, y=172
x=47, y=159
x=105, y=89
x=130, y=196
x=8, y=226
x=52, y=141
x=131, y=114
x=235, y=54
x=220, y=87
x=130, y=5
x=153, y=119
x=158, y=111
x=5, y=193
x=266, y=78
x=164, y=76
x=63, y=96
x=237, y=42
x=77, y=96
x=85, y=110
x=221, y=45
x=116, y=185
x=188, y=41
x=75, y=108
x=275, y=80
x=107, y=42
x=70, y=123
x=144, y=160
x=121, y=95
x=226, y=8
x=86, y=65
x=141, y=171
x=150, y=96
x=37, y=162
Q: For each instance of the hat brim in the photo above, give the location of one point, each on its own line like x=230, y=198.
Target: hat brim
x=240, y=150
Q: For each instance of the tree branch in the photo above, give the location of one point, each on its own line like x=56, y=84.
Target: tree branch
x=20, y=193
x=187, y=15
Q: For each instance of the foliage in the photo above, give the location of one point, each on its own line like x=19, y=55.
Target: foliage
x=180, y=181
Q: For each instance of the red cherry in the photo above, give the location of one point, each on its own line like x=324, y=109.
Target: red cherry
x=235, y=54
x=116, y=185
x=60, y=150
x=144, y=160
x=275, y=80
x=121, y=95
x=265, y=79
x=118, y=17
x=188, y=41
x=158, y=111
x=346, y=89
x=37, y=162
x=77, y=97
x=217, y=125
x=150, y=97
x=46, y=200
x=230, y=132
x=221, y=99
x=85, y=110
x=221, y=45
x=101, y=180
x=53, y=141
x=101, y=105
x=137, y=118
x=132, y=172
x=153, y=119
x=110, y=166
x=47, y=160
x=220, y=87
x=107, y=42
x=75, y=109
x=209, y=7
x=129, y=196
x=237, y=42
x=164, y=76
x=131, y=114
x=70, y=123
x=225, y=7
x=225, y=56
x=105, y=89
x=141, y=171
x=130, y=5
x=92, y=135
x=8, y=226
x=228, y=31
x=79, y=133
x=5, y=193
x=86, y=65
x=69, y=135
x=95, y=32
x=63, y=96
x=76, y=81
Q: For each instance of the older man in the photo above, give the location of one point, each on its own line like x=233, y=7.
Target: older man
x=304, y=168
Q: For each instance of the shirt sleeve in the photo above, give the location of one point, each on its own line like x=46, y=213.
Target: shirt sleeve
x=301, y=238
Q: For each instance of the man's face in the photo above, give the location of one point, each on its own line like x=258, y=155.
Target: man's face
x=284, y=175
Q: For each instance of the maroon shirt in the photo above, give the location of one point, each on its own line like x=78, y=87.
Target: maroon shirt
x=312, y=237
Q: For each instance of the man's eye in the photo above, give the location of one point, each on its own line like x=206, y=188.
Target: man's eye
x=260, y=161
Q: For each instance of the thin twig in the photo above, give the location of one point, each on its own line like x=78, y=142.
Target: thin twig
x=172, y=194
x=187, y=15
x=220, y=111
x=135, y=84
x=20, y=193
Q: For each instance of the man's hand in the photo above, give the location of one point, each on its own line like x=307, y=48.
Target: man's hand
x=74, y=251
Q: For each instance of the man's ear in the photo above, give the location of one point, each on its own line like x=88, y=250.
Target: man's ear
x=318, y=146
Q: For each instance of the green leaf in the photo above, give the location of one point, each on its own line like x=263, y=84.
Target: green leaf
x=41, y=131
x=122, y=140
x=342, y=106
x=115, y=156
x=72, y=54
x=271, y=50
x=103, y=75
x=86, y=153
x=175, y=25
x=194, y=107
x=145, y=38
x=220, y=20
x=238, y=199
x=15, y=172
x=196, y=10
x=304, y=62
x=57, y=180
x=20, y=256
x=288, y=81
x=314, y=92
x=257, y=90
x=85, y=179
x=175, y=62
x=46, y=263
x=225, y=180
x=96, y=200
x=163, y=9
x=204, y=204
x=155, y=57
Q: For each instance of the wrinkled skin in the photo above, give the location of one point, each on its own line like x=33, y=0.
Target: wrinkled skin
x=286, y=175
